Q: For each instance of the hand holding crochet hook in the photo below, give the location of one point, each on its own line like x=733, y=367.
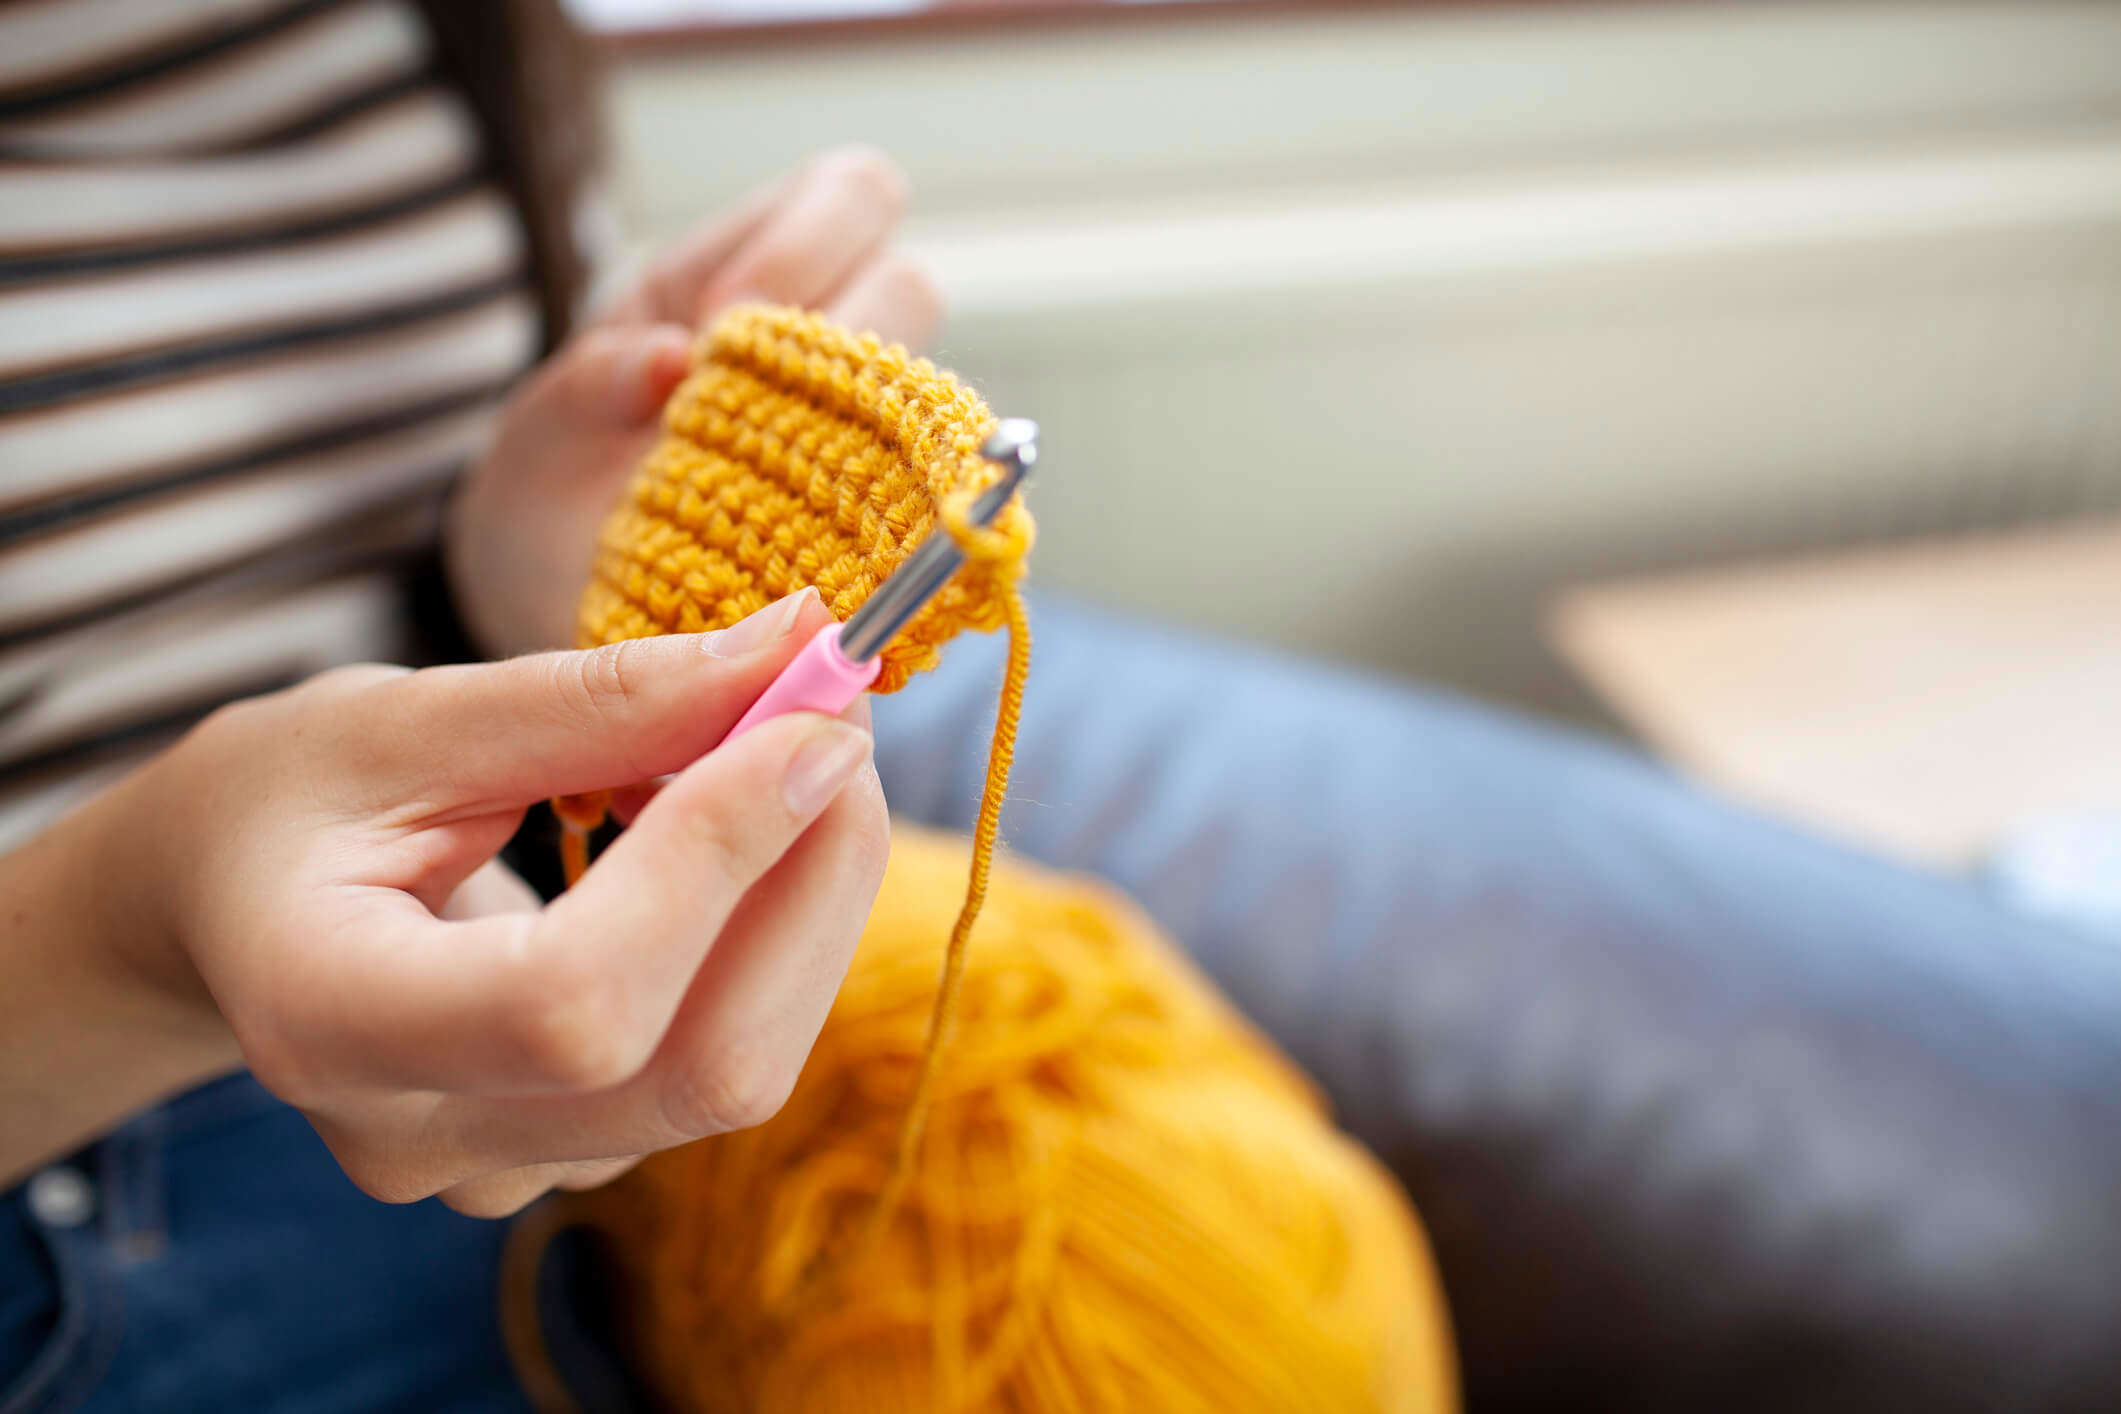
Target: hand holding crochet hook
x=375, y=966
x=306, y=884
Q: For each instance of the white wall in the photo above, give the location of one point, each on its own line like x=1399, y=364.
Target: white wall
x=1360, y=332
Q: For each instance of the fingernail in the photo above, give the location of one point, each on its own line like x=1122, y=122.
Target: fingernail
x=639, y=382
x=822, y=766
x=748, y=635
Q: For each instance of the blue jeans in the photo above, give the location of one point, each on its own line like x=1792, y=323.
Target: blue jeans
x=1700, y=1111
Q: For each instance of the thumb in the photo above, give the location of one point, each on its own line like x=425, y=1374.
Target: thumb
x=620, y=374
x=514, y=732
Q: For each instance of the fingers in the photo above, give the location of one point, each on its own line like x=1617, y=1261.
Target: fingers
x=750, y=1010
x=893, y=297
x=576, y=998
x=685, y=866
x=839, y=213
x=493, y=888
x=747, y=1024
x=502, y=1194
x=627, y=802
x=615, y=375
x=757, y=1006
x=551, y=724
x=581, y=1177
x=673, y=290
x=632, y=379
x=816, y=238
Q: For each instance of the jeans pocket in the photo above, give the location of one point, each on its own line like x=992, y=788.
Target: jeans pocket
x=63, y=1292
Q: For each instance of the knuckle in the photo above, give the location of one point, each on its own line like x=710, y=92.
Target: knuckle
x=379, y=1174
x=582, y=1177
x=916, y=301
x=586, y=359
x=869, y=837
x=605, y=680
x=572, y=1034
x=492, y=1199
x=336, y=684
x=230, y=726
x=725, y=856
x=914, y=285
x=735, y=1087
x=596, y=345
x=783, y=271
x=236, y=723
x=872, y=175
x=276, y=1064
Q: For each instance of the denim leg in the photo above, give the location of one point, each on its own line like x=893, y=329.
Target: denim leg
x=1700, y=1110
x=210, y=1256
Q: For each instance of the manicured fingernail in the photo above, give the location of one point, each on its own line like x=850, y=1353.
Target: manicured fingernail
x=748, y=635
x=822, y=766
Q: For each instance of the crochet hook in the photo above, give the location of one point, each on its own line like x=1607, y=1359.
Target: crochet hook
x=843, y=659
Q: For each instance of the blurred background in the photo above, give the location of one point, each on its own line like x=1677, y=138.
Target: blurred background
x=1741, y=380
x=1439, y=338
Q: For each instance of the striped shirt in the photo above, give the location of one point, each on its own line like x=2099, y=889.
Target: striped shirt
x=259, y=294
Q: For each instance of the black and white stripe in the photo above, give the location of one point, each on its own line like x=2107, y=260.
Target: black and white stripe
x=258, y=299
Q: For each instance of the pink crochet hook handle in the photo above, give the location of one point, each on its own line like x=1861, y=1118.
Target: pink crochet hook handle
x=843, y=659
x=821, y=678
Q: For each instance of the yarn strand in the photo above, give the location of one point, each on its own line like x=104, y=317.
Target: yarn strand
x=579, y=817
x=1001, y=755
x=980, y=545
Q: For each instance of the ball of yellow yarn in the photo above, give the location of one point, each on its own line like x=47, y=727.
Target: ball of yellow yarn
x=1120, y=1197
x=1126, y=1199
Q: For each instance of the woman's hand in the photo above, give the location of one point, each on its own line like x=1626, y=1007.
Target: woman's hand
x=312, y=874
x=524, y=526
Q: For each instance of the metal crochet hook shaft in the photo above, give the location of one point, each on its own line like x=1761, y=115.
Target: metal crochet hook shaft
x=842, y=660
x=894, y=603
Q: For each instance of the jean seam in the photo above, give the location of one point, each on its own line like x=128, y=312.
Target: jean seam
x=133, y=1203
x=79, y=1352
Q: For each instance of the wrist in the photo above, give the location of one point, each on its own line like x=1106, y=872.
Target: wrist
x=102, y=1016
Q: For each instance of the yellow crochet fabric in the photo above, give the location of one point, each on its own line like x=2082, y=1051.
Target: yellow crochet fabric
x=800, y=454
x=1116, y=1196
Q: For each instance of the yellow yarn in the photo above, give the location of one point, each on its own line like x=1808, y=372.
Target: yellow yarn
x=1126, y=1200
x=796, y=454
x=1111, y=1195
x=799, y=454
